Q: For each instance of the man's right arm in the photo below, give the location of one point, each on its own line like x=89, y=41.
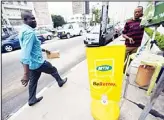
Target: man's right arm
x=125, y=36
x=125, y=31
x=25, y=78
x=28, y=41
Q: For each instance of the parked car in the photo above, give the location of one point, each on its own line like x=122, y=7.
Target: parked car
x=47, y=35
x=92, y=38
x=12, y=43
x=69, y=30
x=49, y=29
x=4, y=36
x=89, y=29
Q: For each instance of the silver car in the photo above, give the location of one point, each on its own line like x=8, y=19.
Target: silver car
x=92, y=38
x=47, y=35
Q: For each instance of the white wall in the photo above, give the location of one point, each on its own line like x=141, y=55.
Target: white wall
x=161, y=29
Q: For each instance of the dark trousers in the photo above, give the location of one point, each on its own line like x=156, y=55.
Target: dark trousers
x=35, y=75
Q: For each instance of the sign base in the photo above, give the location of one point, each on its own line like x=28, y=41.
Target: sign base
x=109, y=111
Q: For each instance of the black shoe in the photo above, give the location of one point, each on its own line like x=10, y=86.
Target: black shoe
x=62, y=82
x=36, y=101
x=127, y=74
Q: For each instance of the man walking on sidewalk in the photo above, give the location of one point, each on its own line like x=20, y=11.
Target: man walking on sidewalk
x=132, y=32
x=32, y=59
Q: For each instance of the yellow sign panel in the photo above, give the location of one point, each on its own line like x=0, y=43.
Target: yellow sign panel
x=105, y=67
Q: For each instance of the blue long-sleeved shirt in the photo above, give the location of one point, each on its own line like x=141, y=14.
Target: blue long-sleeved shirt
x=31, y=52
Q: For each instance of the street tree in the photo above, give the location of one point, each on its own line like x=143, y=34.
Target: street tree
x=96, y=13
x=57, y=20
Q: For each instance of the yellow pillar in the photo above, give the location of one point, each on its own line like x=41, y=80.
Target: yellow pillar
x=105, y=67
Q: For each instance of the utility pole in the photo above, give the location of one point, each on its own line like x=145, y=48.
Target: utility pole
x=103, y=24
x=84, y=20
x=84, y=16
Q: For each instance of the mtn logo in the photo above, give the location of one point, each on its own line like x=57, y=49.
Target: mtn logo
x=104, y=68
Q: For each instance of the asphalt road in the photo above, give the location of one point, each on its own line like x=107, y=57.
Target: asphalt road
x=14, y=95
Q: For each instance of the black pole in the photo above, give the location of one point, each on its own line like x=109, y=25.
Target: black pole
x=103, y=23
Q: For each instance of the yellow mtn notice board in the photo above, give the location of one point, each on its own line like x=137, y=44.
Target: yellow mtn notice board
x=105, y=67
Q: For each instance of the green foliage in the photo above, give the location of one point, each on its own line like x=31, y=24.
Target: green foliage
x=97, y=14
x=159, y=37
x=57, y=20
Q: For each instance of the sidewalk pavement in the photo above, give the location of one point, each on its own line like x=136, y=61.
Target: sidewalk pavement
x=72, y=101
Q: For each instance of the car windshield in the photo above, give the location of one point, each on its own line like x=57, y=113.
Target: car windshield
x=37, y=32
x=43, y=31
x=109, y=26
x=12, y=37
x=66, y=26
x=95, y=30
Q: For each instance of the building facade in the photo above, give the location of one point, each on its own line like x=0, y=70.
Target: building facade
x=42, y=14
x=80, y=7
x=87, y=11
x=77, y=8
x=81, y=13
x=80, y=19
x=11, y=13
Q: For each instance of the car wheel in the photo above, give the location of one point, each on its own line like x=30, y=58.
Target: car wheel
x=116, y=36
x=48, y=37
x=85, y=42
x=68, y=35
x=113, y=38
x=81, y=33
x=8, y=48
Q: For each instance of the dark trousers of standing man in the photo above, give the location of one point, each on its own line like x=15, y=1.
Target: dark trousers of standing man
x=35, y=75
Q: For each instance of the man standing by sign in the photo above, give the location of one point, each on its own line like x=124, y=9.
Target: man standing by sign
x=132, y=32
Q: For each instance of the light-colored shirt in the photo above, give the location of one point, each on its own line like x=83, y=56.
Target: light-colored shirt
x=31, y=51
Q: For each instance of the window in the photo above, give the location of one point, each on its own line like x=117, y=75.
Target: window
x=70, y=27
x=12, y=37
x=11, y=3
x=37, y=32
x=19, y=2
x=25, y=2
x=4, y=22
x=15, y=22
x=5, y=2
x=43, y=32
